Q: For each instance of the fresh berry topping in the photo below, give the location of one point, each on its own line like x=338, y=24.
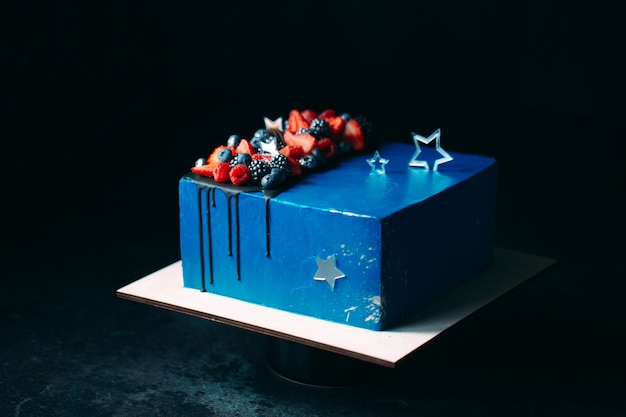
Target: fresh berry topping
x=296, y=169
x=326, y=114
x=281, y=162
x=336, y=124
x=233, y=140
x=354, y=134
x=309, y=115
x=305, y=140
x=328, y=147
x=293, y=151
x=258, y=169
x=344, y=147
x=319, y=156
x=245, y=147
x=240, y=174
x=320, y=129
x=273, y=180
x=366, y=126
x=204, y=170
x=214, y=157
x=225, y=155
x=296, y=121
x=262, y=157
x=221, y=173
x=308, y=162
x=243, y=158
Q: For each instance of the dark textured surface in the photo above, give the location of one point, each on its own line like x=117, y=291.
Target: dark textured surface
x=105, y=106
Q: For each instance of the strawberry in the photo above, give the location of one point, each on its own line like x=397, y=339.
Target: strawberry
x=204, y=170
x=296, y=169
x=354, y=134
x=293, y=151
x=262, y=157
x=336, y=125
x=239, y=174
x=326, y=114
x=245, y=147
x=328, y=147
x=221, y=172
x=305, y=140
x=309, y=115
x=297, y=121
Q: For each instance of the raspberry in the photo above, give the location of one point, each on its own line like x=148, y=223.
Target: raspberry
x=328, y=147
x=221, y=172
x=240, y=174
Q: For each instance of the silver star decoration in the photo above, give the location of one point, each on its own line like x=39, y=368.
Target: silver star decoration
x=327, y=271
x=436, y=135
x=377, y=163
x=273, y=124
x=270, y=147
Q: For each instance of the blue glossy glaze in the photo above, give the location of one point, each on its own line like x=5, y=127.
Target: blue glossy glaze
x=401, y=238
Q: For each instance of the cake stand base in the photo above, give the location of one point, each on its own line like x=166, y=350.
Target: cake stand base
x=305, y=346
x=307, y=365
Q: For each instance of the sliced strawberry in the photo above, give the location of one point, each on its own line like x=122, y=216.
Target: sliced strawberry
x=308, y=115
x=297, y=121
x=327, y=146
x=221, y=173
x=296, y=169
x=305, y=140
x=262, y=157
x=239, y=174
x=354, y=134
x=293, y=151
x=204, y=170
x=326, y=114
x=336, y=125
x=245, y=147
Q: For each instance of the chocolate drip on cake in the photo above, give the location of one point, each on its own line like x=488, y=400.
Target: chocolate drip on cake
x=232, y=193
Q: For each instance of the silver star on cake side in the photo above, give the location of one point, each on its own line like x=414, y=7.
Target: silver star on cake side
x=273, y=124
x=327, y=271
x=377, y=163
x=436, y=135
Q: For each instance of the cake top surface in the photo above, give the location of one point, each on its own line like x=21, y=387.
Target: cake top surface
x=353, y=188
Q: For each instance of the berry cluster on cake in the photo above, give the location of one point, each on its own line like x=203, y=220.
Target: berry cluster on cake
x=306, y=142
x=295, y=218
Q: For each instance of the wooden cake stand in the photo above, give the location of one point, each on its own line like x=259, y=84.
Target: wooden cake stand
x=298, y=341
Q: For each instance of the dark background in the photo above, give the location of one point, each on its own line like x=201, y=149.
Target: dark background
x=105, y=104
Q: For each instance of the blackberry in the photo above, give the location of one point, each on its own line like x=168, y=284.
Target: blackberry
x=304, y=130
x=281, y=162
x=258, y=169
x=320, y=129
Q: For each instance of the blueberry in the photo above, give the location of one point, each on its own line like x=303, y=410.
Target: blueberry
x=225, y=155
x=273, y=181
x=308, y=162
x=346, y=116
x=255, y=141
x=344, y=147
x=244, y=158
x=318, y=154
x=233, y=140
x=263, y=135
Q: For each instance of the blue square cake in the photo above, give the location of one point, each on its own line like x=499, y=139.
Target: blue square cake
x=349, y=244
